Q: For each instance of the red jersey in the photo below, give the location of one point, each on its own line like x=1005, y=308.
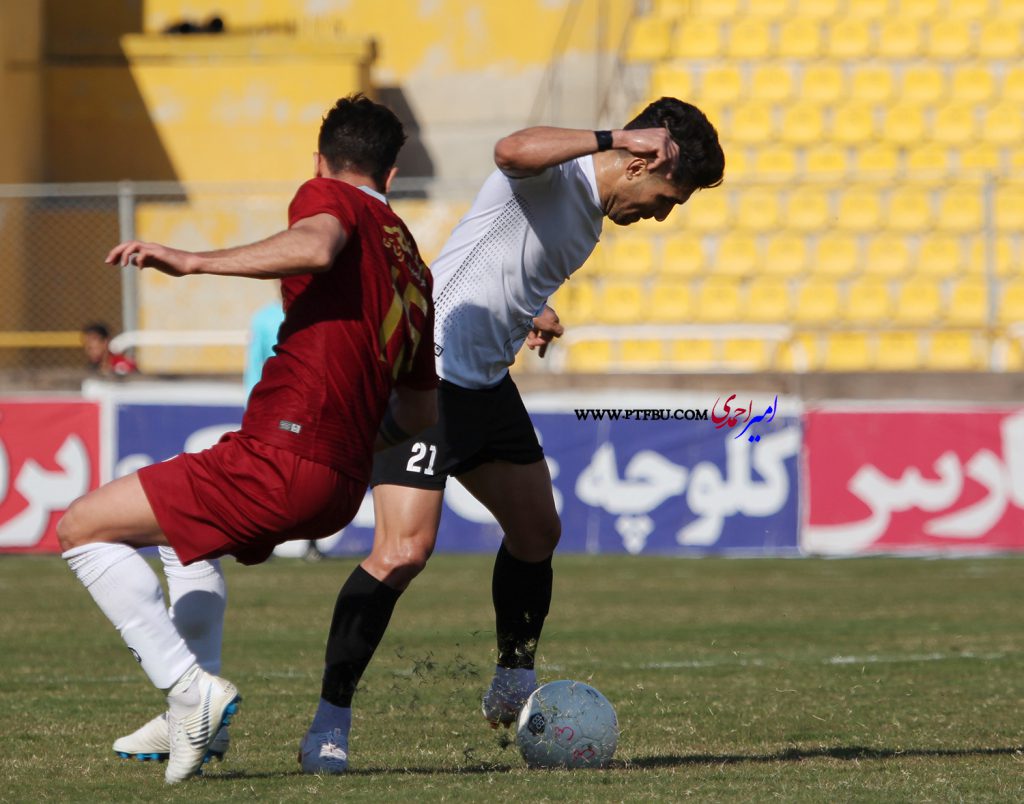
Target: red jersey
x=349, y=334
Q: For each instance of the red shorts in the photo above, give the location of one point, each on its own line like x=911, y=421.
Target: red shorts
x=243, y=497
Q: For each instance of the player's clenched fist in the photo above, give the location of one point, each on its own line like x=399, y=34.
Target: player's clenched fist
x=656, y=144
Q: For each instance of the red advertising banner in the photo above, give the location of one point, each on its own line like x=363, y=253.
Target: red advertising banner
x=49, y=455
x=913, y=481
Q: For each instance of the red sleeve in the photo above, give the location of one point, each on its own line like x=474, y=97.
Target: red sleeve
x=423, y=375
x=323, y=195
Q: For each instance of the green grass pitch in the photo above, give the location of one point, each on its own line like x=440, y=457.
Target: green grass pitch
x=734, y=680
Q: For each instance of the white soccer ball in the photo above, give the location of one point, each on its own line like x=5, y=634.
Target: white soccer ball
x=567, y=724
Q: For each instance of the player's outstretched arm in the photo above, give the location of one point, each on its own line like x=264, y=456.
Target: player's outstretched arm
x=533, y=150
x=309, y=246
x=546, y=327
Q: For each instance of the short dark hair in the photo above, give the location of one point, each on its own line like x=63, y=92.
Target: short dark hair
x=701, y=159
x=100, y=330
x=358, y=134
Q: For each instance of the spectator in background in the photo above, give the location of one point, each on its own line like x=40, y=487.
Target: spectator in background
x=96, y=345
x=263, y=327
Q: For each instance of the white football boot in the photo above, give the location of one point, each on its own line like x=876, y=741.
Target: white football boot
x=152, y=742
x=324, y=752
x=192, y=735
x=508, y=692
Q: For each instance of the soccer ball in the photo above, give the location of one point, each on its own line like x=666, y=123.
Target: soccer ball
x=567, y=724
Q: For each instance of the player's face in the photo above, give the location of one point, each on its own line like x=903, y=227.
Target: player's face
x=94, y=347
x=645, y=196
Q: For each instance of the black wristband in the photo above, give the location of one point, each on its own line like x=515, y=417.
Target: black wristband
x=604, y=140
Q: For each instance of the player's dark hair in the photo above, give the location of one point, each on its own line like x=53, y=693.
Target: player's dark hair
x=701, y=159
x=360, y=135
x=97, y=329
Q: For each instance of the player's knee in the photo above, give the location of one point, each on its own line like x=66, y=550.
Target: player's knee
x=402, y=562
x=71, y=530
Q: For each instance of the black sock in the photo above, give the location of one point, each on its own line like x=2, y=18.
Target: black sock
x=521, y=591
x=361, y=616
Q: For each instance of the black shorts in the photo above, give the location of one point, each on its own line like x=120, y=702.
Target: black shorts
x=473, y=427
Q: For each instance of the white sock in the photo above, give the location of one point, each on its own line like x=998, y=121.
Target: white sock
x=129, y=593
x=198, y=599
x=183, y=697
x=329, y=717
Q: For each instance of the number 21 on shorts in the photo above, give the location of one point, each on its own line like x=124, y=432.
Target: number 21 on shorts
x=420, y=452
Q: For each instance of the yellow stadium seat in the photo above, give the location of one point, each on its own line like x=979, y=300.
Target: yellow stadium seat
x=1017, y=158
x=671, y=9
x=899, y=38
x=671, y=79
x=708, y=212
x=717, y=9
x=649, y=39
x=721, y=84
x=671, y=302
x=849, y=38
x=590, y=356
x=771, y=82
x=954, y=350
x=1012, y=10
x=825, y=159
x=769, y=9
x=961, y=209
x=692, y=353
x=928, y=162
x=807, y=209
x=1002, y=124
x=749, y=38
x=878, y=158
x=1013, y=356
x=888, y=255
x=822, y=82
x=819, y=9
x=837, y=255
x=898, y=351
x=973, y=83
x=785, y=255
x=847, y=351
x=939, y=255
x=868, y=301
x=904, y=124
x=799, y=38
x=919, y=10
x=802, y=123
x=909, y=210
x=642, y=355
x=1001, y=253
x=969, y=10
x=923, y=83
x=630, y=254
x=998, y=40
x=801, y=353
x=1009, y=208
x=980, y=156
x=853, y=123
x=768, y=301
x=718, y=301
x=1011, y=302
x=698, y=38
x=860, y=209
x=736, y=255
x=968, y=303
x=752, y=123
x=739, y=161
x=682, y=255
x=581, y=300
x=948, y=39
x=746, y=354
x=817, y=302
x=1013, y=84
x=776, y=161
x=758, y=209
x=872, y=84
x=918, y=302
x=619, y=302
x=868, y=9
x=954, y=124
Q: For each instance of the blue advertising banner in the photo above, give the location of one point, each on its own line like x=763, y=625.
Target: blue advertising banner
x=697, y=485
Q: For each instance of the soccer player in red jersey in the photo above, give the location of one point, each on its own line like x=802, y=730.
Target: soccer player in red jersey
x=353, y=372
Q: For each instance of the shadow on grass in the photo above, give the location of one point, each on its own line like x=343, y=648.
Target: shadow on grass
x=853, y=752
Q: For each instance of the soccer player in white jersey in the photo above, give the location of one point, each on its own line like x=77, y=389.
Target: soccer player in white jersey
x=534, y=222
